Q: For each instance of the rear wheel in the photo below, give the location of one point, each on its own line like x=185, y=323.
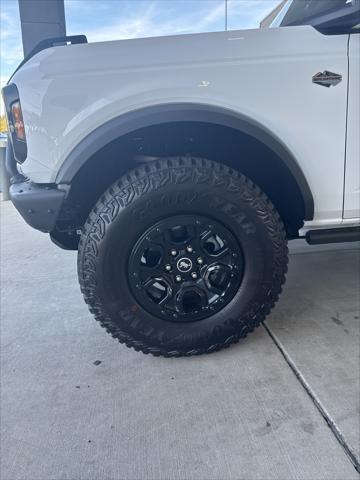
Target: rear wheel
x=182, y=256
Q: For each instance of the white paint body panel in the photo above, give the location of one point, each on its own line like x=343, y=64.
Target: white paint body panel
x=352, y=172
x=266, y=74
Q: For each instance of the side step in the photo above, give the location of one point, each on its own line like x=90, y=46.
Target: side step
x=333, y=235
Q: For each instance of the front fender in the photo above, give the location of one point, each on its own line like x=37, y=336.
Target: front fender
x=177, y=112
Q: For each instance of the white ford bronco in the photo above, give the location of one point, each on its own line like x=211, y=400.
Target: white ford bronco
x=179, y=167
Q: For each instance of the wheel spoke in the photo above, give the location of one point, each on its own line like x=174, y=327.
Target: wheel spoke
x=157, y=289
x=191, y=300
x=151, y=257
x=179, y=234
x=217, y=278
x=214, y=245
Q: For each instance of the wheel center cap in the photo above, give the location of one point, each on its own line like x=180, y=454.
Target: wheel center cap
x=184, y=265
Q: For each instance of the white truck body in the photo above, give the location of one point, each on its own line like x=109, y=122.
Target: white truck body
x=265, y=75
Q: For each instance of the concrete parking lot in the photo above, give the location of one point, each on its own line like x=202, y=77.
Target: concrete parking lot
x=282, y=404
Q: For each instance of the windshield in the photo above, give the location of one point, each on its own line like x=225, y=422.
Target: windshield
x=329, y=16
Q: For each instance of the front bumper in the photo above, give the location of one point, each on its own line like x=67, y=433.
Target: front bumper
x=38, y=205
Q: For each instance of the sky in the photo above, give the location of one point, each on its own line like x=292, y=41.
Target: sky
x=102, y=20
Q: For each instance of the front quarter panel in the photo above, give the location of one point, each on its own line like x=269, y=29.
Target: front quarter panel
x=266, y=75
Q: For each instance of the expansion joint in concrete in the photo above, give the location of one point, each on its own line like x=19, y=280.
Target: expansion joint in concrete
x=315, y=399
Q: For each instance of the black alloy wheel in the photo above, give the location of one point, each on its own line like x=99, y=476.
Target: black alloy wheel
x=185, y=268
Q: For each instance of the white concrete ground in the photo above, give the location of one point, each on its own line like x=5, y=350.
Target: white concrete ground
x=78, y=405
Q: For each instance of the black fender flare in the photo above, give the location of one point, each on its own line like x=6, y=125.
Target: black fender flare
x=177, y=112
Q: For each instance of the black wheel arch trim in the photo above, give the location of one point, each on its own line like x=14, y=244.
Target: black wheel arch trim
x=177, y=112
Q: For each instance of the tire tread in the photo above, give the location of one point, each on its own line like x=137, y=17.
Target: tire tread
x=124, y=190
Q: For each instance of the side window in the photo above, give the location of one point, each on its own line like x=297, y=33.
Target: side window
x=331, y=17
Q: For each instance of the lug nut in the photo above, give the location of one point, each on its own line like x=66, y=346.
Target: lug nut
x=168, y=268
x=178, y=278
x=194, y=275
x=173, y=253
x=200, y=261
x=189, y=249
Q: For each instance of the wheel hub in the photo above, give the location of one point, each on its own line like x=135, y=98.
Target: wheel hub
x=185, y=268
x=184, y=265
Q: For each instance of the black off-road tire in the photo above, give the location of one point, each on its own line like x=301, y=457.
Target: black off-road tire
x=161, y=189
